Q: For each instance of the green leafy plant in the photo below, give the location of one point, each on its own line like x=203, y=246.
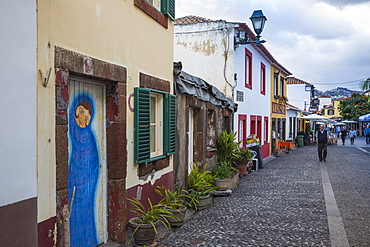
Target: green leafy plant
x=200, y=182
x=244, y=156
x=355, y=106
x=152, y=215
x=177, y=198
x=223, y=170
x=227, y=148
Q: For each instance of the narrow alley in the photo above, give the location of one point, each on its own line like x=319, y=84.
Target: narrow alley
x=290, y=203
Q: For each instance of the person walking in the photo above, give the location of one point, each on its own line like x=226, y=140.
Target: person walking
x=337, y=129
x=322, y=137
x=352, y=135
x=367, y=134
x=343, y=132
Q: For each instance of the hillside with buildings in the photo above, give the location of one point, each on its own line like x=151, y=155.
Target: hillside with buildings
x=339, y=92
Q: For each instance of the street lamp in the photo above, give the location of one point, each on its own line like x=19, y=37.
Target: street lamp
x=258, y=21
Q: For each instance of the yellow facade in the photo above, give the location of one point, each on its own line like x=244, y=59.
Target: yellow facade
x=278, y=105
x=116, y=32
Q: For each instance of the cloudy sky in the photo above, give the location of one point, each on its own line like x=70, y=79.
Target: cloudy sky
x=323, y=42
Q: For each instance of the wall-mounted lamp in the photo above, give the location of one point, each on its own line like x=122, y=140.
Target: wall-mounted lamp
x=258, y=21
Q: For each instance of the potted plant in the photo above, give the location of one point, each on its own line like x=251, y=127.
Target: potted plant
x=227, y=148
x=144, y=225
x=176, y=202
x=200, y=183
x=243, y=162
x=224, y=173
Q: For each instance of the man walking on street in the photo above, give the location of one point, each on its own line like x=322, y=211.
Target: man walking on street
x=367, y=134
x=322, y=142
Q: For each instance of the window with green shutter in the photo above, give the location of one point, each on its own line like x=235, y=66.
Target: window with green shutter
x=171, y=124
x=154, y=125
x=168, y=8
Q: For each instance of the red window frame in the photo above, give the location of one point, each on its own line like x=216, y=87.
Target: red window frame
x=242, y=118
x=266, y=123
x=263, y=79
x=259, y=127
x=248, y=69
x=253, y=124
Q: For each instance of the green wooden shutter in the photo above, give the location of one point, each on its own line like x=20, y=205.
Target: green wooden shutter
x=171, y=124
x=142, y=125
x=168, y=8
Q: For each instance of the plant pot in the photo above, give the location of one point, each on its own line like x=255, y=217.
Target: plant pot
x=223, y=184
x=243, y=169
x=228, y=183
x=144, y=234
x=179, y=214
x=204, y=202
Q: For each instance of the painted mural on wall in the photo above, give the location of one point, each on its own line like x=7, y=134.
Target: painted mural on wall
x=86, y=169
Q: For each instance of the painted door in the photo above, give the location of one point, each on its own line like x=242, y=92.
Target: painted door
x=87, y=182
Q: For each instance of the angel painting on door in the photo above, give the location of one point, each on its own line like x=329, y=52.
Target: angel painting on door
x=83, y=171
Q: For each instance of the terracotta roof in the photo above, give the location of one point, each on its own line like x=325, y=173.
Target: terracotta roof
x=324, y=96
x=293, y=80
x=291, y=106
x=193, y=19
x=329, y=107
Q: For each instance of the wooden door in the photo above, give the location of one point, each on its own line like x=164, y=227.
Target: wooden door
x=87, y=181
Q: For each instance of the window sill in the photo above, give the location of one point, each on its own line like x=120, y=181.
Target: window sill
x=152, y=12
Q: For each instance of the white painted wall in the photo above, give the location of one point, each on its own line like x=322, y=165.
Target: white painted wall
x=201, y=47
x=254, y=103
x=296, y=95
x=324, y=101
x=17, y=101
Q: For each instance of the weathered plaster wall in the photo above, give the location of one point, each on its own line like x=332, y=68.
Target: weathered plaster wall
x=206, y=51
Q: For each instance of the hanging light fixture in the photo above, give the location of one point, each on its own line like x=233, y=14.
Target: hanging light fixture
x=258, y=22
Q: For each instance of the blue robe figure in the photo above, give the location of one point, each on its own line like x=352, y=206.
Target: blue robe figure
x=83, y=172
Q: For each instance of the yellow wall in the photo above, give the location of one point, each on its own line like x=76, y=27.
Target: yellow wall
x=336, y=108
x=112, y=31
x=282, y=74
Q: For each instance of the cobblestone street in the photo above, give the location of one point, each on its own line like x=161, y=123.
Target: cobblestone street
x=286, y=204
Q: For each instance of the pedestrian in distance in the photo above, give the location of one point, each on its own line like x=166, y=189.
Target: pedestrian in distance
x=337, y=129
x=352, y=135
x=343, y=133
x=322, y=137
x=367, y=134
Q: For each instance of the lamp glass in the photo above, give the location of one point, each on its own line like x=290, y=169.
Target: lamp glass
x=258, y=21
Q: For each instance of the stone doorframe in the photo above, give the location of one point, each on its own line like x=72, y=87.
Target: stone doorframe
x=71, y=63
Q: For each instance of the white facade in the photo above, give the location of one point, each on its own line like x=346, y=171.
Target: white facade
x=18, y=101
x=292, y=126
x=254, y=103
x=297, y=96
x=324, y=101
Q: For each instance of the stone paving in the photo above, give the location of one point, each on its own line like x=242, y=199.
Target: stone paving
x=284, y=204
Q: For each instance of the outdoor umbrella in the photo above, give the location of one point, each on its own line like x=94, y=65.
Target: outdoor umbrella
x=316, y=117
x=364, y=117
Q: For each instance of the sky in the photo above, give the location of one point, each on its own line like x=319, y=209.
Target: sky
x=323, y=42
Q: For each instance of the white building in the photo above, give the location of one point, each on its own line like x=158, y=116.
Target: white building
x=208, y=49
x=299, y=93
